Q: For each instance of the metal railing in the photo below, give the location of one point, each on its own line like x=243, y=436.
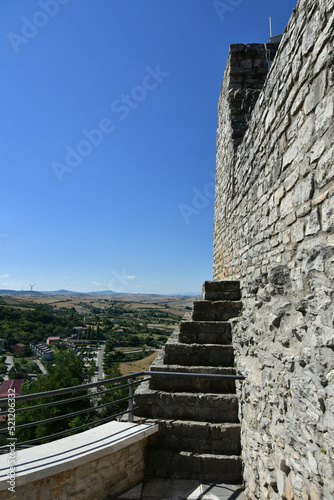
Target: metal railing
x=95, y=397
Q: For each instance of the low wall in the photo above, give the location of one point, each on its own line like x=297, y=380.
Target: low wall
x=274, y=231
x=98, y=463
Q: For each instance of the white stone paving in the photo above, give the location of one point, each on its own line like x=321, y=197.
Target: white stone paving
x=182, y=489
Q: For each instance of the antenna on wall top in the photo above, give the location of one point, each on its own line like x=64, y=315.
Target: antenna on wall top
x=270, y=29
x=276, y=38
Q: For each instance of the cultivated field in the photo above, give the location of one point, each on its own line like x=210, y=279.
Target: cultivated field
x=137, y=366
x=83, y=303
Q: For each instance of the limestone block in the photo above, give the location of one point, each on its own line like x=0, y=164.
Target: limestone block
x=313, y=223
x=296, y=65
x=290, y=154
x=281, y=478
x=279, y=275
x=273, y=215
x=317, y=150
x=312, y=29
x=291, y=180
x=305, y=135
x=327, y=215
x=279, y=195
x=290, y=219
x=322, y=48
x=297, y=481
x=297, y=104
x=292, y=130
x=303, y=190
x=305, y=493
x=287, y=204
x=317, y=91
x=289, y=489
x=313, y=463
x=324, y=114
x=286, y=235
x=328, y=337
x=297, y=232
x=305, y=71
x=316, y=492
x=270, y=117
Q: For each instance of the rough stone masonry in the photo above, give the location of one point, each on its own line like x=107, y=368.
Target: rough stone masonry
x=274, y=231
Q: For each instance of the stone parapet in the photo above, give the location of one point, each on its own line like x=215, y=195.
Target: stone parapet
x=97, y=463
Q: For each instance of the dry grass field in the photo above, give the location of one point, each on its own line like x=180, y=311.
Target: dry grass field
x=138, y=366
x=83, y=303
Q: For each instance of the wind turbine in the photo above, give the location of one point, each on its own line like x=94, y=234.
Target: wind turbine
x=31, y=286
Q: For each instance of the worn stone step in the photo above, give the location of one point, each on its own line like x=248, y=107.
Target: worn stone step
x=221, y=290
x=186, y=465
x=205, y=332
x=220, y=310
x=192, y=384
x=209, y=407
x=198, y=437
x=177, y=353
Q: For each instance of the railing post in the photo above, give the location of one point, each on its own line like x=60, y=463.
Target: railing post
x=130, y=380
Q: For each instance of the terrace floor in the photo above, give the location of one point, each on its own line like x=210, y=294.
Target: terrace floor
x=181, y=489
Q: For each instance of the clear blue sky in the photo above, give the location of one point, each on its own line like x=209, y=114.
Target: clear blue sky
x=107, y=145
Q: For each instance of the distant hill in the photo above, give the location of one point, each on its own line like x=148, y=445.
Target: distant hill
x=186, y=294
x=103, y=292
x=62, y=293
x=22, y=292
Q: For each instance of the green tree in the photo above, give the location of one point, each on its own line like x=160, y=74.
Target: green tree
x=18, y=371
x=67, y=370
x=115, y=395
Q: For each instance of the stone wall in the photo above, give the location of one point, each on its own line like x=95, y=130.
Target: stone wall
x=274, y=230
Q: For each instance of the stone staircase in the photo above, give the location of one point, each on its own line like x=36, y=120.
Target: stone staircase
x=199, y=434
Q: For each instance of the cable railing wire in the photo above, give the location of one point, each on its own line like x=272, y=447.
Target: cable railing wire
x=133, y=379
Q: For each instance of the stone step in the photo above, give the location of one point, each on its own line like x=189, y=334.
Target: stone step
x=221, y=290
x=209, y=407
x=177, y=353
x=191, y=384
x=198, y=437
x=205, y=332
x=220, y=310
x=187, y=465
